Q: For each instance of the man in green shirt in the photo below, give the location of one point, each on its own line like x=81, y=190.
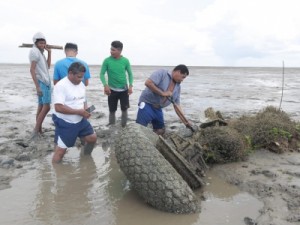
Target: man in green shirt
x=116, y=86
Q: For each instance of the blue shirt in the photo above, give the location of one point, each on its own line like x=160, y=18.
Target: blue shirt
x=61, y=68
x=161, y=78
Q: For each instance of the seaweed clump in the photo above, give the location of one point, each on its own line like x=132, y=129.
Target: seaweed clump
x=233, y=140
x=270, y=129
x=220, y=141
x=222, y=144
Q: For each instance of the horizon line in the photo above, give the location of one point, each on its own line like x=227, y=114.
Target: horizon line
x=1, y=63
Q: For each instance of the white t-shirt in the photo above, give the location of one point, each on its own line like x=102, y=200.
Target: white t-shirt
x=69, y=94
x=41, y=70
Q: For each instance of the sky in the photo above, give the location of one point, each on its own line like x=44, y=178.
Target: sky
x=259, y=33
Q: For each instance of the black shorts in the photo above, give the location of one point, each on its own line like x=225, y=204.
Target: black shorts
x=114, y=97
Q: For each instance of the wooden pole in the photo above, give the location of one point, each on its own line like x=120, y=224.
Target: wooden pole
x=282, y=85
x=48, y=46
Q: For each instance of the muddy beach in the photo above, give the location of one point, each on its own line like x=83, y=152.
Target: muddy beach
x=264, y=189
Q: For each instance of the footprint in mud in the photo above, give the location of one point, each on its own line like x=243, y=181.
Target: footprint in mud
x=4, y=182
x=99, y=115
x=13, y=128
x=10, y=132
x=22, y=143
x=267, y=173
x=292, y=173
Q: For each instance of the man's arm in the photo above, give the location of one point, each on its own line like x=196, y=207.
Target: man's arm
x=102, y=78
x=34, y=78
x=86, y=82
x=68, y=110
x=87, y=75
x=49, y=57
x=130, y=77
x=102, y=73
x=180, y=114
x=56, y=72
x=151, y=85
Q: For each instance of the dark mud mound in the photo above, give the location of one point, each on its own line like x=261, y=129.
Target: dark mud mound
x=150, y=174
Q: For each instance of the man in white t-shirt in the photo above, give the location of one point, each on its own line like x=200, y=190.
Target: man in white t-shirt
x=70, y=115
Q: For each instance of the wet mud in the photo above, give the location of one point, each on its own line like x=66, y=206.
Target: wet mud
x=262, y=190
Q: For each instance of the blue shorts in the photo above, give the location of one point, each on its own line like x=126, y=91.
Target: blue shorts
x=149, y=114
x=68, y=132
x=46, y=97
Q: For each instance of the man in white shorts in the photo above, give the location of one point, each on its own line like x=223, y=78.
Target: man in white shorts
x=70, y=115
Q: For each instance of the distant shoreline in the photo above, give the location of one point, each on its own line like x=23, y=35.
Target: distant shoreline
x=171, y=66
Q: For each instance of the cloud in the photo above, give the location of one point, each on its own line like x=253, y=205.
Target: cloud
x=241, y=30
x=160, y=32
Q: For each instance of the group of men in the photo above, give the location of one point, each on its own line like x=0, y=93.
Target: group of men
x=71, y=76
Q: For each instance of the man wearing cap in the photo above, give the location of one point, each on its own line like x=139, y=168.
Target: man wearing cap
x=61, y=66
x=39, y=70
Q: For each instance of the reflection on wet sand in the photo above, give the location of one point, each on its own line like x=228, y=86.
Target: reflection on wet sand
x=224, y=204
x=72, y=193
x=131, y=209
x=93, y=190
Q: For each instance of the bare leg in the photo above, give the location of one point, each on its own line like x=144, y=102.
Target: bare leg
x=38, y=111
x=41, y=114
x=58, y=154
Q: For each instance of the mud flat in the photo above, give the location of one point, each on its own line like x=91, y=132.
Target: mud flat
x=273, y=178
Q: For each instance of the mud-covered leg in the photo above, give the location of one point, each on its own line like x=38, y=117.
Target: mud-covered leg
x=112, y=118
x=124, y=117
x=90, y=142
x=87, y=148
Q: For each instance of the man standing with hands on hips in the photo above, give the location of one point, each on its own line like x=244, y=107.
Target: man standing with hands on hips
x=70, y=114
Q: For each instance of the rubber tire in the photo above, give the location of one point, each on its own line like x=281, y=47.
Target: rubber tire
x=150, y=174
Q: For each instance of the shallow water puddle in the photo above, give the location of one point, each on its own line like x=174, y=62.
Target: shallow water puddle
x=93, y=190
x=226, y=204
